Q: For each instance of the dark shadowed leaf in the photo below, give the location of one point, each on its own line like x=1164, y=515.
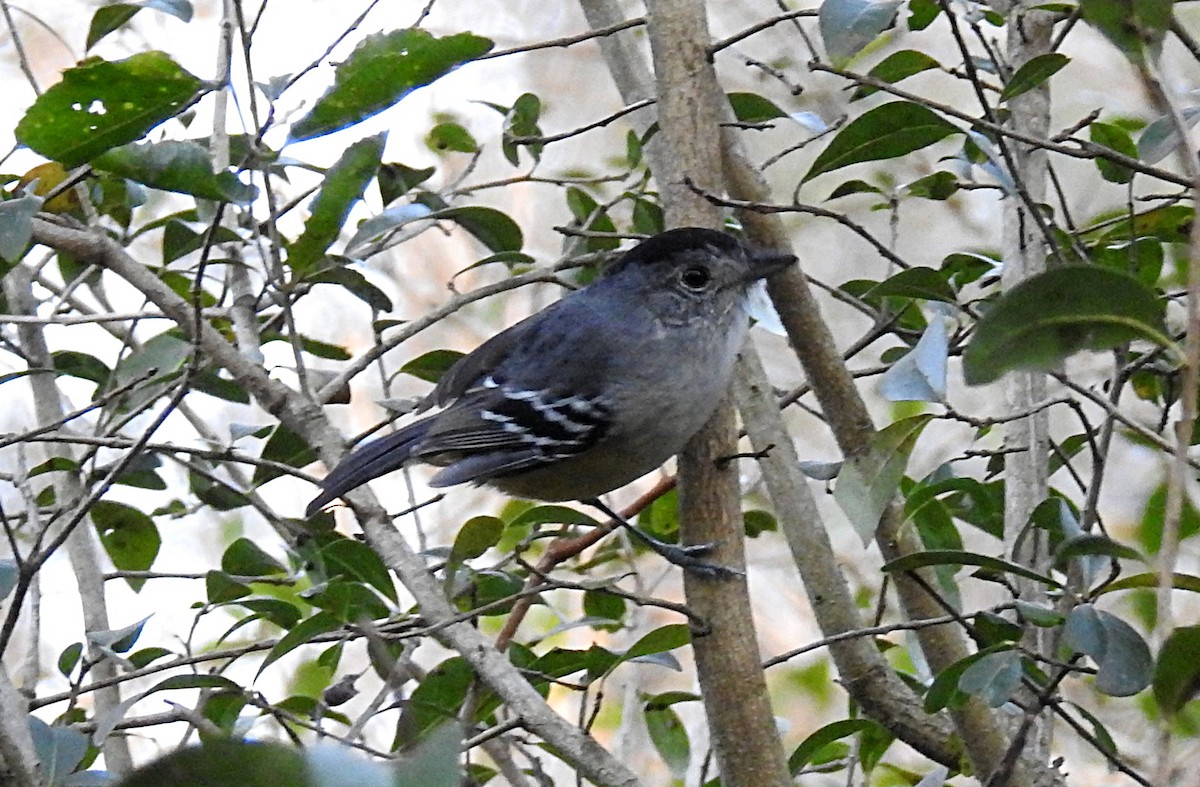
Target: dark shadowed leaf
x=1055, y=314
x=1177, y=671
x=129, y=537
x=1033, y=73
x=753, y=108
x=183, y=167
x=1115, y=138
x=955, y=557
x=808, y=749
x=491, y=227
x=1136, y=27
x=432, y=365
x=383, y=69
x=895, y=67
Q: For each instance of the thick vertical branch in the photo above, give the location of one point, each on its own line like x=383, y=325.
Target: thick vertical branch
x=741, y=724
x=1027, y=439
x=81, y=545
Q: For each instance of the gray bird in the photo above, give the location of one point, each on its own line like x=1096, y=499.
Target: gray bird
x=592, y=392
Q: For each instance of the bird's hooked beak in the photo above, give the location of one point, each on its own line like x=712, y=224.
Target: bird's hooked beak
x=765, y=262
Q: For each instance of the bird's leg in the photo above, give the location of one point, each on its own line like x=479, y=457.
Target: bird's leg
x=686, y=557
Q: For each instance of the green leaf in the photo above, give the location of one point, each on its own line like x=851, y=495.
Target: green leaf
x=660, y=640
x=956, y=557
x=810, y=746
x=1093, y=544
x=286, y=447
x=1179, y=581
x=1115, y=138
x=1033, y=73
x=356, y=560
x=938, y=186
x=1136, y=27
x=432, y=365
x=556, y=515
x=491, y=227
x=670, y=738
x=114, y=15
x=320, y=623
x=357, y=285
x=182, y=167
x=383, y=69
x=867, y=483
x=885, y=132
x=79, y=364
x=1150, y=528
x=753, y=108
x=437, y=699
x=477, y=535
x=924, y=283
x=100, y=105
x=344, y=185
x=222, y=761
x=521, y=120
x=129, y=537
x=244, y=558
x=1055, y=314
x=895, y=67
x=451, y=136
x=1177, y=671
x=107, y=19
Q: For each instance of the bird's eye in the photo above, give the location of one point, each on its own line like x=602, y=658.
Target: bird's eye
x=695, y=279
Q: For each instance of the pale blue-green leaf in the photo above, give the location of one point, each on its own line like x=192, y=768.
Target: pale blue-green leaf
x=16, y=225
x=994, y=166
x=390, y=219
x=810, y=121
x=8, y=577
x=847, y=26
x=1159, y=139
x=993, y=678
x=920, y=376
x=760, y=308
x=328, y=765
x=181, y=9
x=820, y=471
x=58, y=749
x=867, y=483
x=434, y=762
x=1122, y=656
x=118, y=640
x=935, y=778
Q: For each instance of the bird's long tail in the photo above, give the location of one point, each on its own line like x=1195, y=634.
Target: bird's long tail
x=369, y=461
